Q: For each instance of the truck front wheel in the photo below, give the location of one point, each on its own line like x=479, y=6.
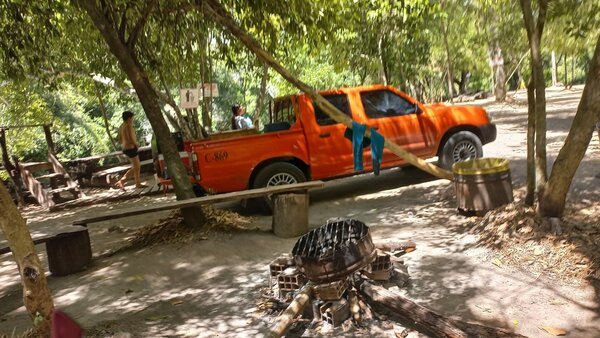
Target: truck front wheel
x=279, y=173
x=461, y=146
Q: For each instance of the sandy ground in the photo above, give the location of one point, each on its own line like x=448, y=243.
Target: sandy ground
x=209, y=288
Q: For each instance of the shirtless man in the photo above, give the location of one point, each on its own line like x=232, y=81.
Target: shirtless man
x=130, y=148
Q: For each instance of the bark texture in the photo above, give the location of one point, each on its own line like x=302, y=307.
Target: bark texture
x=552, y=200
x=530, y=196
x=36, y=295
x=535, y=27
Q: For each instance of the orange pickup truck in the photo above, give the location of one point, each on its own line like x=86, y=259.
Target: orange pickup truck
x=302, y=143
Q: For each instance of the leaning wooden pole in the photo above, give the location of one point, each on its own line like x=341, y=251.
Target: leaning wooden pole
x=36, y=295
x=214, y=10
x=286, y=319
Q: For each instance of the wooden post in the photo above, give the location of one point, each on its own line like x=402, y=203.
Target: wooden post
x=36, y=295
x=216, y=12
x=69, y=253
x=290, y=214
x=49, y=140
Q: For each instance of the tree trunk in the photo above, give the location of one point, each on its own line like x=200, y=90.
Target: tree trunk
x=448, y=59
x=105, y=117
x=566, y=73
x=36, y=295
x=553, y=69
x=534, y=32
x=124, y=50
x=216, y=12
x=382, y=69
x=530, y=196
x=260, y=100
x=552, y=200
x=500, y=87
x=205, y=78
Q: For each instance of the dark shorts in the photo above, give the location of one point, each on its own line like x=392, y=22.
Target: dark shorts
x=131, y=153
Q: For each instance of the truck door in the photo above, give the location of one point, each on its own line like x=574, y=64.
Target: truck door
x=330, y=152
x=397, y=119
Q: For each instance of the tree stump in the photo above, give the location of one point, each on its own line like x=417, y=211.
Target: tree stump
x=69, y=253
x=290, y=214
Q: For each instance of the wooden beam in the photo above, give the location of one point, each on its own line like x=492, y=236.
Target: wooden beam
x=21, y=126
x=49, y=141
x=212, y=199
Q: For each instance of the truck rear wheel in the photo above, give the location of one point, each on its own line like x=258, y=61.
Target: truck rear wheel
x=278, y=173
x=461, y=146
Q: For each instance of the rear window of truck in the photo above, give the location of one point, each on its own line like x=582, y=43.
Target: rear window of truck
x=384, y=103
x=340, y=101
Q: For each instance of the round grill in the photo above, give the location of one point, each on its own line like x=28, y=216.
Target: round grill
x=334, y=250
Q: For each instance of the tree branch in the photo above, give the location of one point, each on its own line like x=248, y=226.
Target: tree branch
x=541, y=20
x=139, y=26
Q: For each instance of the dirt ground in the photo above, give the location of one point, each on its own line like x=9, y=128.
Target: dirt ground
x=210, y=287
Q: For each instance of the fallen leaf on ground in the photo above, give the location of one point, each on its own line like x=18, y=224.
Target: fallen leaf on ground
x=156, y=318
x=555, y=331
x=136, y=278
x=176, y=301
x=515, y=322
x=497, y=262
x=556, y=301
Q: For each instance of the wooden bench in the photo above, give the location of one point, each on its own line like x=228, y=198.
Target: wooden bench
x=290, y=206
x=68, y=248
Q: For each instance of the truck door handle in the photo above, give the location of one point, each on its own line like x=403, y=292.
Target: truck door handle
x=323, y=135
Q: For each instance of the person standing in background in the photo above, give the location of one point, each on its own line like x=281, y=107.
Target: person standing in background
x=129, y=145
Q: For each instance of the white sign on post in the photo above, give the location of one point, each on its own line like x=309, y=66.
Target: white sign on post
x=188, y=98
x=210, y=89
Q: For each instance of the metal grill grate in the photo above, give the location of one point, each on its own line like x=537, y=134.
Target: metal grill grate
x=334, y=250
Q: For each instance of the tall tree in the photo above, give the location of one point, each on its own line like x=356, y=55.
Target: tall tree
x=552, y=199
x=534, y=26
x=121, y=35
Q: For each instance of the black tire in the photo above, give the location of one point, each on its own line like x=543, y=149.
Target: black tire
x=278, y=173
x=461, y=146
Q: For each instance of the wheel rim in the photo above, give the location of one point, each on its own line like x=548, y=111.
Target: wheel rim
x=463, y=151
x=281, y=179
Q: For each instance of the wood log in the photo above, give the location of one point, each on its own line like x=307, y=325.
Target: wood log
x=428, y=321
x=354, y=307
x=290, y=214
x=287, y=317
x=407, y=246
x=214, y=10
